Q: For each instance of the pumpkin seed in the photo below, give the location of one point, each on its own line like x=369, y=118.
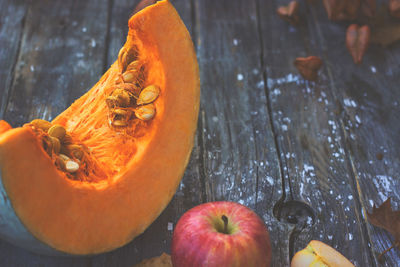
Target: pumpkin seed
x=130, y=76
x=111, y=102
x=41, y=124
x=47, y=144
x=119, y=98
x=56, y=144
x=141, y=76
x=131, y=55
x=64, y=157
x=119, y=123
x=145, y=112
x=71, y=166
x=122, y=59
x=133, y=66
x=57, y=131
x=121, y=112
x=60, y=163
x=132, y=89
x=73, y=150
x=123, y=98
x=67, y=139
x=148, y=95
x=77, y=153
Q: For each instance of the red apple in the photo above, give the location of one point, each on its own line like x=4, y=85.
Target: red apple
x=220, y=234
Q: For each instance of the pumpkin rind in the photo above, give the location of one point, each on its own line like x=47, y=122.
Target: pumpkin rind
x=13, y=231
x=87, y=218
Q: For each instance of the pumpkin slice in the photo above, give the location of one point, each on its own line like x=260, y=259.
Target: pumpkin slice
x=133, y=133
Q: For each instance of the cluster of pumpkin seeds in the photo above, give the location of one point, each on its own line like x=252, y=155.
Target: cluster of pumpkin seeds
x=59, y=145
x=129, y=98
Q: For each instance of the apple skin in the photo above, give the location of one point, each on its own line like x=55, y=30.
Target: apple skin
x=198, y=239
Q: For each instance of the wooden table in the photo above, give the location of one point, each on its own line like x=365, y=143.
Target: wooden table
x=309, y=158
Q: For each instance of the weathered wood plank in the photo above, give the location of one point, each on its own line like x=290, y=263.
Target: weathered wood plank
x=240, y=161
x=10, y=39
x=120, y=12
x=329, y=134
x=61, y=57
x=312, y=149
x=368, y=98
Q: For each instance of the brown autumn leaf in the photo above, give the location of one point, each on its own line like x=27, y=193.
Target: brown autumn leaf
x=162, y=261
x=386, y=218
x=308, y=67
x=290, y=12
x=386, y=35
x=394, y=8
x=357, y=41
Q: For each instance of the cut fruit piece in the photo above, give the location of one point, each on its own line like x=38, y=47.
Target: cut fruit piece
x=318, y=254
x=113, y=173
x=4, y=126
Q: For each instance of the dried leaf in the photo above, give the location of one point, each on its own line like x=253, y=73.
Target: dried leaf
x=386, y=218
x=394, y=8
x=308, y=67
x=162, y=261
x=289, y=13
x=386, y=35
x=357, y=41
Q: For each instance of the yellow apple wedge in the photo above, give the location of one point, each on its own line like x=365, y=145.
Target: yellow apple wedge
x=318, y=254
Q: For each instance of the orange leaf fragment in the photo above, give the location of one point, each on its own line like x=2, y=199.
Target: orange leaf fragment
x=357, y=41
x=308, y=67
x=289, y=13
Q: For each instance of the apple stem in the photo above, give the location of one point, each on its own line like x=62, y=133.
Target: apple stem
x=225, y=219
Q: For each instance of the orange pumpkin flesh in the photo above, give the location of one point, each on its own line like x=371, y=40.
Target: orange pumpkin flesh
x=141, y=168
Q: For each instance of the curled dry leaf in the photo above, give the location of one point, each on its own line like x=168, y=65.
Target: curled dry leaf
x=342, y=9
x=388, y=219
x=308, y=67
x=289, y=13
x=394, y=8
x=357, y=41
x=162, y=261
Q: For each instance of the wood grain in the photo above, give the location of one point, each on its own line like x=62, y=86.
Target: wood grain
x=265, y=136
x=59, y=58
x=57, y=62
x=240, y=160
x=367, y=97
x=311, y=142
x=11, y=28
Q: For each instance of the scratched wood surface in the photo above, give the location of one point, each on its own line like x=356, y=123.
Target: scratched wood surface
x=309, y=157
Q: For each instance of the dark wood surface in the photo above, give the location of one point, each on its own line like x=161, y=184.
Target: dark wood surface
x=309, y=157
